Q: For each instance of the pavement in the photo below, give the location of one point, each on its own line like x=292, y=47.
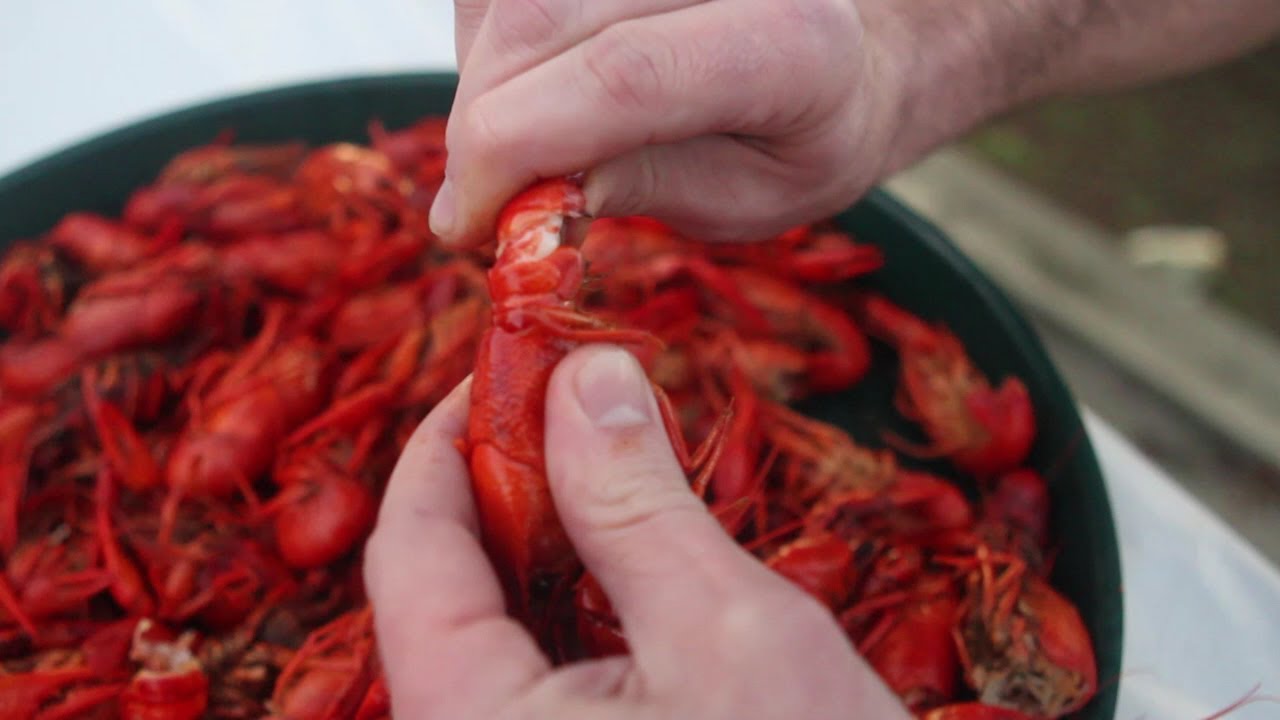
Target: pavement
x=1191, y=385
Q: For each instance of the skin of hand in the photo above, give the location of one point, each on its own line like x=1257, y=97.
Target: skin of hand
x=712, y=631
x=737, y=119
x=657, y=98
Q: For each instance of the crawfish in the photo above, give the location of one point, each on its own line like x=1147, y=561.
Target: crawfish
x=1022, y=645
x=911, y=647
x=974, y=711
x=300, y=262
x=57, y=694
x=803, y=254
x=171, y=682
x=820, y=563
x=534, y=284
x=372, y=316
x=330, y=675
x=216, y=567
x=419, y=152
x=811, y=345
x=152, y=303
x=237, y=423
x=983, y=430
x=20, y=431
x=101, y=245
x=356, y=193
x=326, y=504
x=52, y=572
x=221, y=189
x=226, y=208
x=839, y=484
x=221, y=159
x=34, y=288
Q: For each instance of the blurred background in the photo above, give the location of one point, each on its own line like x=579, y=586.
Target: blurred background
x=1201, y=153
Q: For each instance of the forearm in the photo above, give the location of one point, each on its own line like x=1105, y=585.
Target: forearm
x=959, y=62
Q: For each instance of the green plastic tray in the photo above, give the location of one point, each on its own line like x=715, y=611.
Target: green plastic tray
x=924, y=272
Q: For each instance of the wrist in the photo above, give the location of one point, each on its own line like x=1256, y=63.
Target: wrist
x=949, y=66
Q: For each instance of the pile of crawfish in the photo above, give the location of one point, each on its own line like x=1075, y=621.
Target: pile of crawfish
x=202, y=399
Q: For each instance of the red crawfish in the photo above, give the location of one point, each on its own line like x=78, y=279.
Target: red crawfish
x=810, y=345
x=410, y=148
x=1022, y=644
x=53, y=570
x=1019, y=500
x=599, y=632
x=534, y=284
x=840, y=485
x=221, y=159
x=983, y=430
x=221, y=189
x=805, y=254
x=124, y=450
x=300, y=262
x=974, y=711
x=419, y=152
x=821, y=564
x=222, y=210
x=57, y=694
x=35, y=286
x=326, y=503
x=238, y=420
x=20, y=432
x=377, y=701
x=171, y=682
x=101, y=245
x=331, y=673
x=375, y=315
x=127, y=585
x=151, y=304
x=217, y=568
x=357, y=194
x=911, y=646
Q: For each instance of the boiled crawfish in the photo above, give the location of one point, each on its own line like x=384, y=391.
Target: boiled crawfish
x=983, y=430
x=534, y=284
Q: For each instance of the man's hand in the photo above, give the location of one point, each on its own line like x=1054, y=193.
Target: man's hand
x=734, y=119
x=728, y=119
x=713, y=632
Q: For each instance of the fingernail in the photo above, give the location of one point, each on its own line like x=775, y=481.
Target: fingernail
x=613, y=390
x=443, y=211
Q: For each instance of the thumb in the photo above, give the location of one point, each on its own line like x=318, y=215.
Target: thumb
x=713, y=187
x=663, y=560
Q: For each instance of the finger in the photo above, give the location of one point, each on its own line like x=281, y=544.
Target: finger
x=449, y=650
x=656, y=80
x=518, y=34
x=686, y=184
x=468, y=15
x=663, y=560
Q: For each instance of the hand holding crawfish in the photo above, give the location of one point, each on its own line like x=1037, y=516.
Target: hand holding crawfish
x=533, y=284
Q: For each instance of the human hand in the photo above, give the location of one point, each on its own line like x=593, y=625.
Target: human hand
x=729, y=120
x=713, y=632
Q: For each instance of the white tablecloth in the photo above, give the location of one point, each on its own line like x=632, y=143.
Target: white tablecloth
x=1201, y=605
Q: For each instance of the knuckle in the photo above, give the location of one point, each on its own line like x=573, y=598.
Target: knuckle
x=635, y=493
x=629, y=68
x=525, y=24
